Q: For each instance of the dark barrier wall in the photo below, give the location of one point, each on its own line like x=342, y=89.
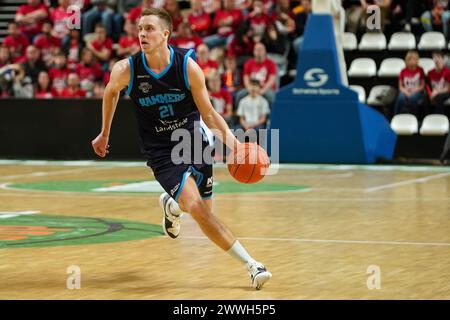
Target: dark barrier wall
x=64, y=129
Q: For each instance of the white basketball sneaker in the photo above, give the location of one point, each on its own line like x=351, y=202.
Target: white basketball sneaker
x=171, y=223
x=258, y=274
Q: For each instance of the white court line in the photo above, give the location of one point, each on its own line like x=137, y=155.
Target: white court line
x=401, y=243
x=284, y=166
x=406, y=182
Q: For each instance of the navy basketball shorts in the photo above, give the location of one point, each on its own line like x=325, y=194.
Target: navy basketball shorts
x=173, y=177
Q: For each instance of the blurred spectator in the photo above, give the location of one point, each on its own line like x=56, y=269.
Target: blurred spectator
x=33, y=64
x=437, y=17
x=43, y=88
x=226, y=22
x=30, y=17
x=258, y=19
x=242, y=44
x=135, y=13
x=73, y=89
x=439, y=79
x=47, y=43
x=173, y=8
x=107, y=74
x=211, y=6
x=59, y=17
x=5, y=56
x=72, y=49
x=99, y=12
x=385, y=9
x=203, y=60
x=253, y=109
x=277, y=46
x=58, y=73
x=261, y=69
x=99, y=90
x=284, y=17
x=300, y=24
x=220, y=98
x=16, y=42
x=231, y=77
x=185, y=38
x=411, y=86
x=101, y=45
x=14, y=82
x=353, y=15
x=199, y=20
x=88, y=70
x=128, y=43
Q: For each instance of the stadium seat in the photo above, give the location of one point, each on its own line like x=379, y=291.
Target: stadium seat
x=373, y=41
x=381, y=96
x=391, y=67
x=405, y=124
x=349, y=41
x=432, y=41
x=427, y=64
x=402, y=41
x=360, y=91
x=434, y=125
x=363, y=67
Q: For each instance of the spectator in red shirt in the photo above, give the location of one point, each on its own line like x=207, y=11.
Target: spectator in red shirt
x=173, y=8
x=203, y=60
x=199, y=19
x=211, y=6
x=101, y=46
x=30, y=17
x=226, y=22
x=185, y=38
x=59, y=17
x=16, y=42
x=258, y=19
x=135, y=13
x=88, y=70
x=47, y=43
x=5, y=56
x=128, y=43
x=261, y=69
x=411, y=85
x=439, y=79
x=43, y=86
x=59, y=73
x=73, y=89
x=99, y=90
x=220, y=98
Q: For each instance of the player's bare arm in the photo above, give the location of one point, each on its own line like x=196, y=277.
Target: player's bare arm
x=213, y=120
x=120, y=76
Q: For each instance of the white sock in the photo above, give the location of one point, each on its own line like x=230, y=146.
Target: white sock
x=238, y=252
x=174, y=207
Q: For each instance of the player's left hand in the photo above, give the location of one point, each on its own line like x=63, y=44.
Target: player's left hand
x=100, y=145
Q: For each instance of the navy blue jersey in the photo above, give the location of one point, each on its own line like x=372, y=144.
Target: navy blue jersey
x=163, y=102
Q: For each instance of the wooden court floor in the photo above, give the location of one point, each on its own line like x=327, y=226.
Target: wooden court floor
x=322, y=240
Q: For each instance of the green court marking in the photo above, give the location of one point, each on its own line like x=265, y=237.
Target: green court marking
x=134, y=186
x=47, y=231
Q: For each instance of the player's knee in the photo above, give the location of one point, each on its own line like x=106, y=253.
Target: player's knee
x=198, y=209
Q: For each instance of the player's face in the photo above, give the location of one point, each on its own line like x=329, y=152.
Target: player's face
x=152, y=34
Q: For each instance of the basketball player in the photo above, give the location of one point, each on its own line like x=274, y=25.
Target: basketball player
x=168, y=88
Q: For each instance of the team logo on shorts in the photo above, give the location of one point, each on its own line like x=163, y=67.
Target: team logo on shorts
x=209, y=182
x=145, y=87
x=174, y=190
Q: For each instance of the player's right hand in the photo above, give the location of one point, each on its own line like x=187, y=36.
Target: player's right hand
x=100, y=145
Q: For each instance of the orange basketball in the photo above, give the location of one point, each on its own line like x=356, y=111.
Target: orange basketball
x=248, y=163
